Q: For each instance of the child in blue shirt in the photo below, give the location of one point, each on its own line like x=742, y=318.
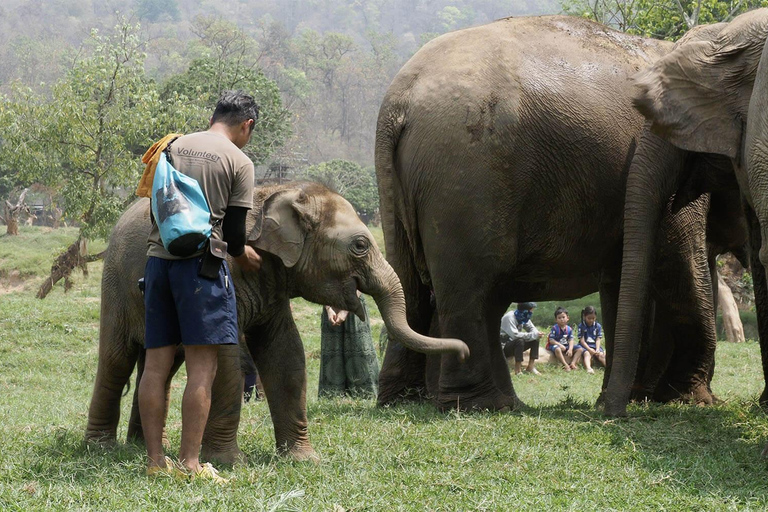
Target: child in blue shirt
x=590, y=336
x=560, y=340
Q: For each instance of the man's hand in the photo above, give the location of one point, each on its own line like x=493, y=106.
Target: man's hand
x=542, y=335
x=250, y=260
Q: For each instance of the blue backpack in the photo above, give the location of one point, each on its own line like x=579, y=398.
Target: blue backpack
x=180, y=209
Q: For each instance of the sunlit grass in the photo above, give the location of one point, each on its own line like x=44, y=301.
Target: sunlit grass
x=559, y=453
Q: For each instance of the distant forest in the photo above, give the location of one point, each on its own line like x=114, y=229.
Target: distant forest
x=332, y=60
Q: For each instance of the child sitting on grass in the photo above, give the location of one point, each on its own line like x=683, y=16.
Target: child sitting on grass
x=590, y=335
x=561, y=338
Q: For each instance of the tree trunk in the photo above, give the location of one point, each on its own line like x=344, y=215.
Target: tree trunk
x=734, y=330
x=12, y=212
x=11, y=221
x=73, y=256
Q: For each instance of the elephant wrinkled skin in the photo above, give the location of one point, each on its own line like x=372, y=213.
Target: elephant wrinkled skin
x=502, y=154
x=313, y=245
x=705, y=102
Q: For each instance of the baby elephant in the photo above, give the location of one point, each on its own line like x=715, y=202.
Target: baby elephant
x=313, y=245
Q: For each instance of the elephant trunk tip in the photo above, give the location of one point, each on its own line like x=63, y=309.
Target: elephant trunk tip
x=462, y=351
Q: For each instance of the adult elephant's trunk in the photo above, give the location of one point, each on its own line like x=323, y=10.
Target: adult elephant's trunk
x=384, y=286
x=653, y=178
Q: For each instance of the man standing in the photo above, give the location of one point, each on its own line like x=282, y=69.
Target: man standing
x=184, y=307
x=518, y=334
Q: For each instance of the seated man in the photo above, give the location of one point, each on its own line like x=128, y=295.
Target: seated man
x=518, y=334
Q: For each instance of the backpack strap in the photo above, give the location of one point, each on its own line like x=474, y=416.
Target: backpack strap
x=167, y=149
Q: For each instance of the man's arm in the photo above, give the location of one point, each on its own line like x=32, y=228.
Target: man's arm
x=233, y=229
x=515, y=333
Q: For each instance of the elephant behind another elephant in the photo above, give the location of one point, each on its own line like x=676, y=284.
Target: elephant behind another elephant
x=502, y=155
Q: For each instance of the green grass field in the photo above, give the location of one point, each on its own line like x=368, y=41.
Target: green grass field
x=559, y=454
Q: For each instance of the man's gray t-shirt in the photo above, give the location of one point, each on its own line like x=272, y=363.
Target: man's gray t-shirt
x=224, y=173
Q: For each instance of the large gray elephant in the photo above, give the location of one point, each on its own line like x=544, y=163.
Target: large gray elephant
x=313, y=245
x=706, y=105
x=502, y=155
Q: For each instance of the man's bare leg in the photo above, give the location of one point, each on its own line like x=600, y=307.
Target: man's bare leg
x=157, y=366
x=201, y=361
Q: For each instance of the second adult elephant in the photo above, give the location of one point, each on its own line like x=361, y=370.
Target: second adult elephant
x=502, y=154
x=707, y=103
x=313, y=245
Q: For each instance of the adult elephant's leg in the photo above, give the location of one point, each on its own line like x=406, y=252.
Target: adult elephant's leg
x=685, y=291
x=471, y=384
x=654, y=176
x=432, y=377
x=656, y=353
x=402, y=375
x=499, y=365
x=279, y=356
x=220, y=436
x=761, y=295
x=609, y=299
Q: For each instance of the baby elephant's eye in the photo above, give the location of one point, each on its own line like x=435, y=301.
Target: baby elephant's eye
x=360, y=245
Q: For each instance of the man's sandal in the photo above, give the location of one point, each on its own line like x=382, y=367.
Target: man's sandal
x=208, y=472
x=170, y=469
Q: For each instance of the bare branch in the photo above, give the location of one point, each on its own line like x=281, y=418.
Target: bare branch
x=21, y=198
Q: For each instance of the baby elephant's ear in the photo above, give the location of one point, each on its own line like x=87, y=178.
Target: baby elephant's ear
x=279, y=228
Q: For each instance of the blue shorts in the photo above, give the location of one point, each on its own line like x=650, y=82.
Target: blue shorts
x=552, y=348
x=182, y=307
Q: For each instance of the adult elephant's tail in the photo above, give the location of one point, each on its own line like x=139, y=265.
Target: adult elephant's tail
x=403, y=370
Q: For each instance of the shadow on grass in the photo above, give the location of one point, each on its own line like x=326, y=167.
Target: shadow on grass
x=697, y=451
x=63, y=455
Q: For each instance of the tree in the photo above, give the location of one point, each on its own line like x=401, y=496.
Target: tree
x=85, y=139
x=355, y=183
x=228, y=60
x=11, y=214
x=157, y=10
x=661, y=19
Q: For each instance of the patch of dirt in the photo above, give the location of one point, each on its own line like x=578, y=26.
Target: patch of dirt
x=11, y=282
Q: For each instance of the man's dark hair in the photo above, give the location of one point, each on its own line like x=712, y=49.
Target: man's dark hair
x=235, y=107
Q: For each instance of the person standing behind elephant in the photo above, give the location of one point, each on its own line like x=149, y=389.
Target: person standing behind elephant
x=184, y=307
x=518, y=334
x=348, y=363
x=560, y=340
x=590, y=336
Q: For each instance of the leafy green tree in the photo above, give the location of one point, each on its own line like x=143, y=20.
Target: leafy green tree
x=202, y=84
x=157, y=10
x=85, y=139
x=661, y=19
x=355, y=183
x=228, y=61
x=451, y=17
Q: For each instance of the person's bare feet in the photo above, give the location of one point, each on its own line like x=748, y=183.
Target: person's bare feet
x=567, y=367
x=533, y=371
x=590, y=370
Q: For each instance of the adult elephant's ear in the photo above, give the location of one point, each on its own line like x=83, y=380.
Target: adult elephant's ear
x=282, y=224
x=697, y=96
